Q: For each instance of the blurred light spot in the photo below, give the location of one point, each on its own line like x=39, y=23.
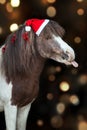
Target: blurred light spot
x=51, y=1
x=51, y=78
x=40, y=122
x=60, y=108
x=80, y=118
x=2, y=1
x=64, y=86
x=51, y=70
x=82, y=125
x=80, y=11
x=1, y=30
x=56, y=121
x=58, y=69
x=44, y=2
x=74, y=99
x=15, y=14
x=51, y=11
x=13, y=27
x=65, y=98
x=9, y=7
x=50, y=96
x=15, y=3
x=79, y=0
x=82, y=79
x=74, y=71
x=77, y=40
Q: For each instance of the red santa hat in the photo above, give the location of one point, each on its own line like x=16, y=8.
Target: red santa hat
x=36, y=24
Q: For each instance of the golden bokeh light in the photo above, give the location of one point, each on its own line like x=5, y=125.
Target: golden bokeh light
x=82, y=125
x=15, y=3
x=50, y=96
x=80, y=11
x=64, y=86
x=9, y=7
x=40, y=122
x=13, y=27
x=79, y=0
x=51, y=1
x=56, y=121
x=82, y=79
x=2, y=1
x=51, y=11
x=51, y=78
x=74, y=99
x=77, y=40
x=60, y=108
x=1, y=30
x=44, y=2
x=58, y=69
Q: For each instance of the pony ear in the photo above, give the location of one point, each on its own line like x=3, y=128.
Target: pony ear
x=60, y=31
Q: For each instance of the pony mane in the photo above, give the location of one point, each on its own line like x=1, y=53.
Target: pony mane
x=57, y=29
x=19, y=55
x=21, y=52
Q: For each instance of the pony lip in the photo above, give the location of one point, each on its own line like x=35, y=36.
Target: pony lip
x=75, y=64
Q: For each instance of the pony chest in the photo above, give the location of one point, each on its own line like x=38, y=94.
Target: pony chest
x=24, y=91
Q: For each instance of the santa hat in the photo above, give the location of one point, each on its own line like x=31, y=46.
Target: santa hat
x=36, y=24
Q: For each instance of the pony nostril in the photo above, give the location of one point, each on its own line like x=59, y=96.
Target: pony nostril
x=65, y=56
x=70, y=56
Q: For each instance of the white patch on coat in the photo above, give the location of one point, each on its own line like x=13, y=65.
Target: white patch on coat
x=65, y=46
x=5, y=88
x=14, y=117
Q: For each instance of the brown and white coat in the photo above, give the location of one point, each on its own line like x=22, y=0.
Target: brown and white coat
x=22, y=58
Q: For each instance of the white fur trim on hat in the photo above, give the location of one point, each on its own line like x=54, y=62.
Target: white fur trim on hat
x=42, y=27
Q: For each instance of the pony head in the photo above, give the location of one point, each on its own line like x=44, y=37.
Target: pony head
x=51, y=45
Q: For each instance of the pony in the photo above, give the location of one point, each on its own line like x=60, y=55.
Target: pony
x=22, y=59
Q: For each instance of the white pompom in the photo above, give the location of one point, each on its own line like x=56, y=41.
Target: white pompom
x=27, y=28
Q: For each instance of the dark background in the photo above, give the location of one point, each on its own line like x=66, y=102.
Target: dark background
x=46, y=111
